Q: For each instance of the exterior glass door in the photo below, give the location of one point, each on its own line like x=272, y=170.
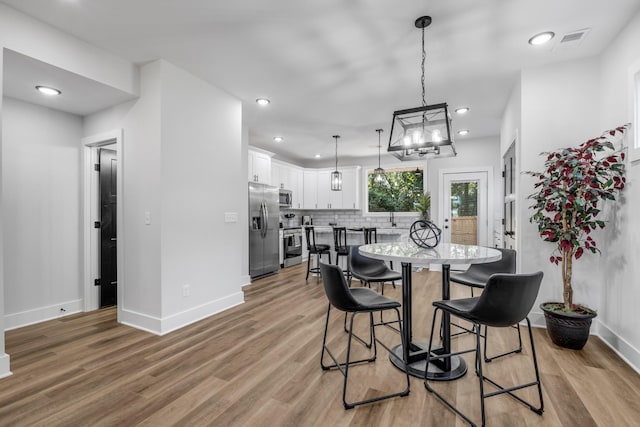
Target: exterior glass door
x=465, y=208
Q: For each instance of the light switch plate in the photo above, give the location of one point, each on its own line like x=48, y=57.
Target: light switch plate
x=231, y=217
x=147, y=218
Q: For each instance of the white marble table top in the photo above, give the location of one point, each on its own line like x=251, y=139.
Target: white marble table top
x=444, y=253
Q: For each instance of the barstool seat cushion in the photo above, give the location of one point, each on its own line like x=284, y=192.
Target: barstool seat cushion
x=368, y=299
x=320, y=247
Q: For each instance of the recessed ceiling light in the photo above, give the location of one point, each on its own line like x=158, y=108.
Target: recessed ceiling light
x=462, y=110
x=463, y=132
x=317, y=156
x=48, y=90
x=278, y=138
x=263, y=101
x=541, y=38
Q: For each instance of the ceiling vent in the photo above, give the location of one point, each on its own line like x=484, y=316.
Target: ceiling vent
x=573, y=39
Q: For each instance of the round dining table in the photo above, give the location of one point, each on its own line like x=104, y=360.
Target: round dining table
x=412, y=359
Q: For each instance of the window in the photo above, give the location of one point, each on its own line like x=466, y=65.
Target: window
x=399, y=192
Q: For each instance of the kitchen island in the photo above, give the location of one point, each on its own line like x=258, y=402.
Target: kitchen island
x=355, y=237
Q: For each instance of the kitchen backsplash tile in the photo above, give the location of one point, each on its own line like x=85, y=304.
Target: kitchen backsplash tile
x=350, y=218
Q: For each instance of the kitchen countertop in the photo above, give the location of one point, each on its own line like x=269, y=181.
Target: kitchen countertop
x=358, y=230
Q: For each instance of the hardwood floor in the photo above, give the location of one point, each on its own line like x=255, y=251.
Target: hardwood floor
x=258, y=365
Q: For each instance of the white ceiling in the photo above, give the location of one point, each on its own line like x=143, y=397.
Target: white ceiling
x=342, y=67
x=80, y=95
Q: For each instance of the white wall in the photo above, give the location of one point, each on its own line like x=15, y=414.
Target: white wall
x=41, y=198
x=620, y=290
x=562, y=105
x=559, y=109
x=201, y=180
x=183, y=163
x=30, y=37
x=4, y=358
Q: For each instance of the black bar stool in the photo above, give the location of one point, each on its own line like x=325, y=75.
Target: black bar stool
x=355, y=301
x=371, y=236
x=506, y=300
x=477, y=276
x=314, y=249
x=341, y=248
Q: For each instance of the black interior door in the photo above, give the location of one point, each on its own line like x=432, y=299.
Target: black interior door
x=108, y=242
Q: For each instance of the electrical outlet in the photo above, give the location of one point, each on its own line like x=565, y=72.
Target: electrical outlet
x=186, y=290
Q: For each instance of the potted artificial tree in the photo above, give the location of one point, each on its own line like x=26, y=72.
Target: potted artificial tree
x=569, y=192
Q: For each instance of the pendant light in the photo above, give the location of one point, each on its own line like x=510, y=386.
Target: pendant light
x=422, y=131
x=378, y=172
x=336, y=176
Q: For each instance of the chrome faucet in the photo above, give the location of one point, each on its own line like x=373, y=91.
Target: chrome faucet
x=392, y=219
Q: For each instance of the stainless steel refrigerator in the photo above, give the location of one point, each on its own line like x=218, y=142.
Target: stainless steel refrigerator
x=264, y=212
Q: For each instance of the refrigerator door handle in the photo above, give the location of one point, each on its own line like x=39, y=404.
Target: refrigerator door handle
x=266, y=219
x=262, y=219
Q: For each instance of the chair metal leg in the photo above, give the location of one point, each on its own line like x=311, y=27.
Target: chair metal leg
x=517, y=350
x=482, y=378
x=308, y=266
x=325, y=349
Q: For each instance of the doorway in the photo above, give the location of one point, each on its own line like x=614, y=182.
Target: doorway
x=509, y=186
x=108, y=279
x=102, y=221
x=465, y=208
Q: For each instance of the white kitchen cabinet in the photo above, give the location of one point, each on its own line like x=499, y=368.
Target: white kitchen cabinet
x=296, y=180
x=259, y=166
x=310, y=189
x=327, y=198
x=351, y=187
x=278, y=172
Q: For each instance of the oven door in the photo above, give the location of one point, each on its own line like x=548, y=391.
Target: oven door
x=292, y=244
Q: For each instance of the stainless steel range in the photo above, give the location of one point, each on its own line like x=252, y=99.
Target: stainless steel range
x=292, y=246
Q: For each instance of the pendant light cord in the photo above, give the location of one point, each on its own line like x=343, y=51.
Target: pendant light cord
x=336, y=137
x=379, y=132
x=424, y=57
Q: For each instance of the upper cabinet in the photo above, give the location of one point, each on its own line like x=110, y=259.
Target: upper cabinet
x=351, y=188
x=318, y=193
x=289, y=177
x=310, y=188
x=259, y=166
x=310, y=192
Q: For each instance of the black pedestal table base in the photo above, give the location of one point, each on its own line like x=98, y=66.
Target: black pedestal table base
x=435, y=370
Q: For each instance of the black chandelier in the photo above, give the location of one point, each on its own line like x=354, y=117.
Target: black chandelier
x=422, y=131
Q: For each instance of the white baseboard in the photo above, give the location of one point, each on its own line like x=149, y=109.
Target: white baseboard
x=245, y=280
x=622, y=347
x=162, y=326
x=141, y=321
x=4, y=366
x=40, y=314
x=192, y=315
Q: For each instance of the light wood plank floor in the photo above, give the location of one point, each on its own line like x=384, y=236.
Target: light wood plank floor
x=258, y=365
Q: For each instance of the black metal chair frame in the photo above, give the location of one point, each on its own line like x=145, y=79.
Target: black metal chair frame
x=314, y=249
x=468, y=315
x=343, y=367
x=476, y=277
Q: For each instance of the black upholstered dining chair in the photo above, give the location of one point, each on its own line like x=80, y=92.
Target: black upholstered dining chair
x=477, y=275
x=371, y=270
x=505, y=300
x=314, y=249
x=355, y=301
